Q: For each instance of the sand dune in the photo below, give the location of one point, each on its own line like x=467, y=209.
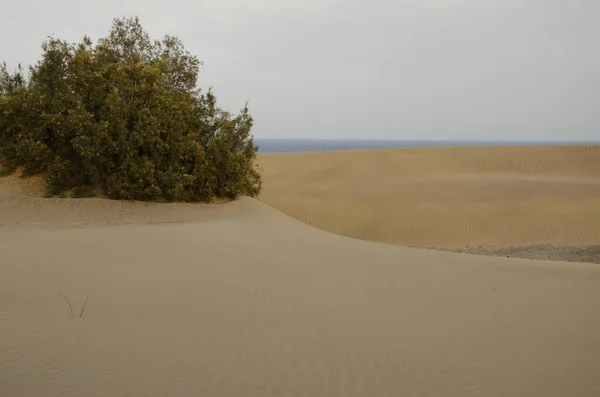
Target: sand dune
x=22, y=203
x=239, y=299
x=523, y=201
x=252, y=303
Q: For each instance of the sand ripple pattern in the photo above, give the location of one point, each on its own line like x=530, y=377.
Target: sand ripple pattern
x=480, y=200
x=253, y=303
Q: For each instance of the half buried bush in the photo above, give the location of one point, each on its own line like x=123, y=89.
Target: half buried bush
x=125, y=116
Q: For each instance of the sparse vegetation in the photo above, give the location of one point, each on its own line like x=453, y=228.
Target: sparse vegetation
x=71, y=306
x=125, y=116
x=69, y=303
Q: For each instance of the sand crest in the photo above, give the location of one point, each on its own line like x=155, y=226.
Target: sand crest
x=533, y=202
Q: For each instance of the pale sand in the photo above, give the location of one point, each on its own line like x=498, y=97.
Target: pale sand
x=538, y=202
x=241, y=300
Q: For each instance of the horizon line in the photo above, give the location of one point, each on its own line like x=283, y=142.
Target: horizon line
x=430, y=140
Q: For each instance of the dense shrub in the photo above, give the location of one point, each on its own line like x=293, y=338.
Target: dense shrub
x=124, y=115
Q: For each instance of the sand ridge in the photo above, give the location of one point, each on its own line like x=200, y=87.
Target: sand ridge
x=22, y=203
x=473, y=199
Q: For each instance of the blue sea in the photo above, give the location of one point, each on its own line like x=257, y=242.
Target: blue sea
x=317, y=145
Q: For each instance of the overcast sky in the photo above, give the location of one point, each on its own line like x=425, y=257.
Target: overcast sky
x=404, y=69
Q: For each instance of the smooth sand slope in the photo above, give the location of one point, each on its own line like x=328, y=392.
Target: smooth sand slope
x=536, y=202
x=245, y=301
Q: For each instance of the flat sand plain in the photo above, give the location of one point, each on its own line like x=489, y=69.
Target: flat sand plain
x=239, y=299
x=531, y=202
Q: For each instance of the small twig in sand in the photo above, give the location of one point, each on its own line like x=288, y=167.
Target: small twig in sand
x=69, y=302
x=83, y=308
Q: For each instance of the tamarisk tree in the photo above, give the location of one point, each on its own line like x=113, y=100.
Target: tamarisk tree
x=124, y=115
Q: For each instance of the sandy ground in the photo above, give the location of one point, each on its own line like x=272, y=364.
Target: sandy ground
x=241, y=300
x=530, y=202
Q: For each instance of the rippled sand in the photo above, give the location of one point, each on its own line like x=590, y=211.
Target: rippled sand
x=239, y=299
x=536, y=202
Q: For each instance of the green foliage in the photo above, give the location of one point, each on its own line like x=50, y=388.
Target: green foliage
x=124, y=115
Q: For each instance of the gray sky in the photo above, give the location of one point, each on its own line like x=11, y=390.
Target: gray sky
x=404, y=69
